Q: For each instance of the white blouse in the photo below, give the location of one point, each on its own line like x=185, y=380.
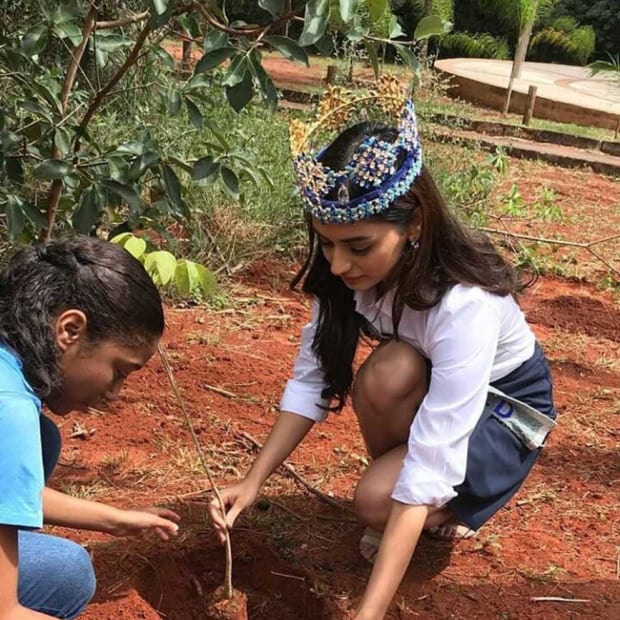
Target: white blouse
x=472, y=338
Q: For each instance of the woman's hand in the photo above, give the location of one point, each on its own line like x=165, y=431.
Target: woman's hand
x=236, y=499
x=162, y=521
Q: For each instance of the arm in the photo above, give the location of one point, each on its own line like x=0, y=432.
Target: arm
x=285, y=436
x=10, y=609
x=67, y=511
x=400, y=539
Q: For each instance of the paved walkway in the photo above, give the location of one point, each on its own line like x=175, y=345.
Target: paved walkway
x=563, y=83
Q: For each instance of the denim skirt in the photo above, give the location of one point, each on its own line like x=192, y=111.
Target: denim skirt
x=497, y=460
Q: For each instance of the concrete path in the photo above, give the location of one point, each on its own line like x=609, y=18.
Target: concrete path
x=563, y=83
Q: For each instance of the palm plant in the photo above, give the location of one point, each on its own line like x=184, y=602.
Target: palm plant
x=565, y=34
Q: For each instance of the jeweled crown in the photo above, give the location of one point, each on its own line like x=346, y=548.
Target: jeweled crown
x=383, y=170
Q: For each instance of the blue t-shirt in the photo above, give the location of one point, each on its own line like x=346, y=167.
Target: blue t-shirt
x=21, y=459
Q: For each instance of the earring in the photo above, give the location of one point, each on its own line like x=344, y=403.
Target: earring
x=414, y=243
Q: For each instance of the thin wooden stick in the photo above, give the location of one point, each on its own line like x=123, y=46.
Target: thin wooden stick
x=558, y=599
x=291, y=470
x=175, y=388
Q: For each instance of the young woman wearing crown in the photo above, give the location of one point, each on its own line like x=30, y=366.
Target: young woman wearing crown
x=455, y=401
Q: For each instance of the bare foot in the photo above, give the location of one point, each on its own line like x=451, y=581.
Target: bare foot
x=369, y=544
x=452, y=530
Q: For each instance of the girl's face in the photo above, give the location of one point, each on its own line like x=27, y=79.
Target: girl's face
x=363, y=253
x=92, y=372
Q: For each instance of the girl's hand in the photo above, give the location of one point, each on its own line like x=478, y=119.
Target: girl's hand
x=130, y=522
x=236, y=499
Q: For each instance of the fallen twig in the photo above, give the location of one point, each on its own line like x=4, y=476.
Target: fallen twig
x=564, y=242
x=558, y=599
x=221, y=391
x=291, y=470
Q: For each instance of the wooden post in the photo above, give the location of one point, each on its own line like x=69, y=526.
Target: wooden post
x=187, y=55
x=529, y=105
x=330, y=78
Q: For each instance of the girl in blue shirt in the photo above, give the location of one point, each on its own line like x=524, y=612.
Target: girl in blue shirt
x=77, y=316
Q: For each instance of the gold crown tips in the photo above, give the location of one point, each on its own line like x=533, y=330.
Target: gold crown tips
x=390, y=94
x=297, y=135
x=337, y=106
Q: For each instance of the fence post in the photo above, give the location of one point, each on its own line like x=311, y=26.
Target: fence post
x=330, y=78
x=529, y=105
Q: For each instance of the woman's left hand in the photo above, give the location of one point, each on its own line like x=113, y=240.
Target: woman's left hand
x=162, y=521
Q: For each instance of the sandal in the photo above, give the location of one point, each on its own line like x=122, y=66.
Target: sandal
x=452, y=530
x=369, y=544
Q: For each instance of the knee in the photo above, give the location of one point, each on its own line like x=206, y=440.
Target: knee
x=80, y=577
x=395, y=371
x=371, y=503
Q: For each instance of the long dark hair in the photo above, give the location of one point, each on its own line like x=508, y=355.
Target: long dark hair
x=99, y=278
x=448, y=253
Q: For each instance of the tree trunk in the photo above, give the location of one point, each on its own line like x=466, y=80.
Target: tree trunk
x=520, y=52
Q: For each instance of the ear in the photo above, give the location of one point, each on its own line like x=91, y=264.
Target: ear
x=70, y=328
x=415, y=225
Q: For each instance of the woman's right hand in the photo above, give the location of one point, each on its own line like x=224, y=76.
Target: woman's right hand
x=235, y=498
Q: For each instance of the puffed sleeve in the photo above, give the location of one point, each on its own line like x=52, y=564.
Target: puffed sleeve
x=461, y=338
x=302, y=394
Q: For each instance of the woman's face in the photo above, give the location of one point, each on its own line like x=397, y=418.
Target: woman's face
x=92, y=372
x=363, y=253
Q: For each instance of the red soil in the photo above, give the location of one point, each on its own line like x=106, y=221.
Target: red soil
x=296, y=557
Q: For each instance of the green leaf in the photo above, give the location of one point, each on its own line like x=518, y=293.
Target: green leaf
x=190, y=25
x=204, y=168
x=195, y=115
x=409, y=58
x=15, y=221
x=52, y=169
x=34, y=40
x=142, y=164
x=240, y=94
x=377, y=9
x=34, y=215
x=161, y=266
x=215, y=40
x=192, y=279
x=288, y=48
x=136, y=246
x=126, y=192
x=395, y=28
x=214, y=58
x=348, y=8
x=315, y=22
x=62, y=139
x=111, y=42
x=14, y=169
x=429, y=26
x=164, y=56
x=69, y=30
x=160, y=6
x=275, y=7
x=265, y=82
x=173, y=187
x=119, y=167
x=174, y=101
x=87, y=213
x=230, y=182
x=237, y=71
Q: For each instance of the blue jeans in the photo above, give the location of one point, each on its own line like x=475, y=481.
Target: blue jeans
x=56, y=576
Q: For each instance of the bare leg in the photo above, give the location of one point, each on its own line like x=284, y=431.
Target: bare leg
x=388, y=391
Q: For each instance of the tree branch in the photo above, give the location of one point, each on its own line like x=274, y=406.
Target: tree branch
x=245, y=32
x=124, y=21
x=573, y=244
x=67, y=86
x=129, y=61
